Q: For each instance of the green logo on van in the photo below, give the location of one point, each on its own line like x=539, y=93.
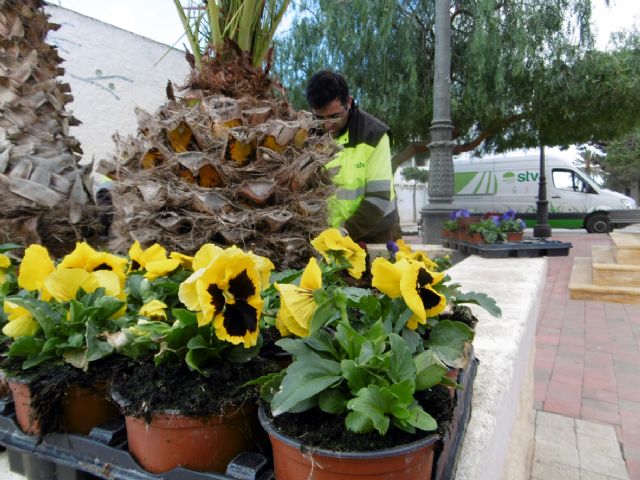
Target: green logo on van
x=508, y=177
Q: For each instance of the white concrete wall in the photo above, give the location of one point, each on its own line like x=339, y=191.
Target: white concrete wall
x=499, y=440
x=111, y=71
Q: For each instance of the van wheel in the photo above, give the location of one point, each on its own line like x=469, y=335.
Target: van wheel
x=598, y=223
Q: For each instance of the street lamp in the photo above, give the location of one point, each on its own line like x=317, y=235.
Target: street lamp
x=441, y=147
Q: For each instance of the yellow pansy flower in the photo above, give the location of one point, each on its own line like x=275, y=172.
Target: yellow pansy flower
x=86, y=258
x=412, y=281
x=418, y=256
x=205, y=254
x=227, y=293
x=332, y=245
x=154, y=309
x=403, y=247
x=185, y=260
x=35, y=267
x=63, y=284
x=297, y=305
x=21, y=322
x=265, y=267
x=5, y=262
x=154, y=260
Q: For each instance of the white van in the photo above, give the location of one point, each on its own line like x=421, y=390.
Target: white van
x=498, y=183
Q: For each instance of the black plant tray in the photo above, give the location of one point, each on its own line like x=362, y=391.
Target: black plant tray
x=527, y=248
x=445, y=463
x=103, y=453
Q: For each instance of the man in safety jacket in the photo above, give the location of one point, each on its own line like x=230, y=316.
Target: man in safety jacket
x=364, y=203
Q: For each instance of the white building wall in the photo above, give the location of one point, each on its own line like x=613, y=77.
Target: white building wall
x=110, y=72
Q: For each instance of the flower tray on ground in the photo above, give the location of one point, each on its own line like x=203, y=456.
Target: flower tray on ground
x=103, y=453
x=527, y=248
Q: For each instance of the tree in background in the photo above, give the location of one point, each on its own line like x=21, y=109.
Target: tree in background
x=622, y=162
x=418, y=175
x=523, y=73
x=591, y=162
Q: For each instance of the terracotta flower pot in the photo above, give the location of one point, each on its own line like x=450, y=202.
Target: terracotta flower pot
x=83, y=409
x=199, y=443
x=475, y=237
x=22, y=402
x=514, y=236
x=293, y=461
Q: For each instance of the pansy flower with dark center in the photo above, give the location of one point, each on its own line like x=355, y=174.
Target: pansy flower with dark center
x=334, y=247
x=88, y=259
x=227, y=293
x=412, y=281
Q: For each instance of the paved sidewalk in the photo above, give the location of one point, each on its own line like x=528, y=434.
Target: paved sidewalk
x=587, y=362
x=568, y=448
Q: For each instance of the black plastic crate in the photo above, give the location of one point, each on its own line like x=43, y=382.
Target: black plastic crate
x=527, y=248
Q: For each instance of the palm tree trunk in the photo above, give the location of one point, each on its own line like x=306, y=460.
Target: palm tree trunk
x=39, y=171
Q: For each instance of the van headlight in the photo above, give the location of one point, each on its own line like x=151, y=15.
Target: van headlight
x=627, y=203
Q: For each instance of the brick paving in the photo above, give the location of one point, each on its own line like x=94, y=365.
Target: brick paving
x=587, y=363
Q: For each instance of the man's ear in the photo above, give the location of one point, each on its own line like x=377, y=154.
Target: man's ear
x=349, y=102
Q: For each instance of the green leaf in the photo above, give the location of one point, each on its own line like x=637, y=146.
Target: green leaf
x=96, y=349
x=332, y=401
x=75, y=340
x=429, y=370
x=401, y=320
x=449, y=340
x=349, y=339
x=482, y=300
x=373, y=402
x=198, y=342
x=241, y=354
x=195, y=358
x=403, y=391
x=107, y=307
x=184, y=317
x=421, y=419
x=322, y=341
x=325, y=314
x=269, y=384
x=52, y=344
x=76, y=310
x=5, y=247
x=358, y=422
x=36, y=360
x=297, y=347
x=26, y=346
x=304, y=379
x=401, y=366
x=412, y=339
x=357, y=377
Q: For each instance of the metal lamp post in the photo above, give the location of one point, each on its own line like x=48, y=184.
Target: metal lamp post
x=542, y=228
x=441, y=147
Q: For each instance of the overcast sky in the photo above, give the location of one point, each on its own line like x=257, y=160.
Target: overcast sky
x=157, y=19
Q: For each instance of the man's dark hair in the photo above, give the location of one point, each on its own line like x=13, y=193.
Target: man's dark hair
x=324, y=87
